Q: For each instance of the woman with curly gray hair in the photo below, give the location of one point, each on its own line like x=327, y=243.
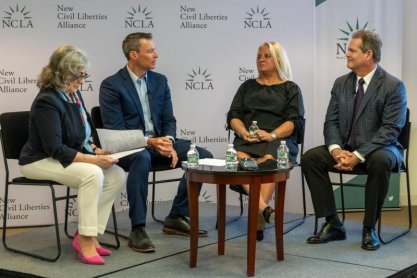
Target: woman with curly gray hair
x=59, y=148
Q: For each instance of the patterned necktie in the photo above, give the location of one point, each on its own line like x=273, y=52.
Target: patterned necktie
x=358, y=99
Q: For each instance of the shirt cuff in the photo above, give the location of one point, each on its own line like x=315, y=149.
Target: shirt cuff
x=171, y=138
x=332, y=147
x=358, y=155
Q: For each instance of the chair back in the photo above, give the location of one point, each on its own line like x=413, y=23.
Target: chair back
x=96, y=117
x=97, y=122
x=14, y=133
x=404, y=137
x=300, y=136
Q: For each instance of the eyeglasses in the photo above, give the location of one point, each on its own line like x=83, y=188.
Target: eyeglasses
x=82, y=76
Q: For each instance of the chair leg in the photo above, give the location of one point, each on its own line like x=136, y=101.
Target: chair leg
x=153, y=199
x=50, y=259
x=66, y=214
x=302, y=219
x=342, y=196
x=316, y=223
x=115, y=232
x=410, y=223
x=241, y=211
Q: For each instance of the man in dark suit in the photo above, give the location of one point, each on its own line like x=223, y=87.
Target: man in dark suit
x=138, y=98
x=366, y=138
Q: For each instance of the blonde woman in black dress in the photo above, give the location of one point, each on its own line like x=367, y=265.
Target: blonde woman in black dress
x=276, y=103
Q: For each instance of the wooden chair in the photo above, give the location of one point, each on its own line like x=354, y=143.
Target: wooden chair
x=13, y=135
x=404, y=140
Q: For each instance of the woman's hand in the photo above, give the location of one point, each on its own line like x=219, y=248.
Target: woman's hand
x=264, y=136
x=105, y=161
x=99, y=151
x=246, y=137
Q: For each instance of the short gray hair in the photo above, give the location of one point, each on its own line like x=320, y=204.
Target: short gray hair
x=370, y=41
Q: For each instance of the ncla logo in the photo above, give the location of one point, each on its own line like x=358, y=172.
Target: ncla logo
x=139, y=19
x=341, y=46
x=17, y=18
x=87, y=85
x=199, y=80
x=257, y=19
x=72, y=207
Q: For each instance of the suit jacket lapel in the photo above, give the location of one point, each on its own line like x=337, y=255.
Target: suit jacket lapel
x=150, y=82
x=131, y=89
x=371, y=90
x=351, y=94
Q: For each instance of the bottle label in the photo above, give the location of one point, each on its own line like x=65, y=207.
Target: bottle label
x=192, y=160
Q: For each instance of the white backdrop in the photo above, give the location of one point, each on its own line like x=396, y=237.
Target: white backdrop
x=204, y=64
x=206, y=49
x=333, y=31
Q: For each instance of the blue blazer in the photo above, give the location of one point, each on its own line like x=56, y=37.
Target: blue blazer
x=380, y=118
x=121, y=107
x=55, y=129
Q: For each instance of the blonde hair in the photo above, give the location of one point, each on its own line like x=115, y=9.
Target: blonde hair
x=279, y=55
x=64, y=64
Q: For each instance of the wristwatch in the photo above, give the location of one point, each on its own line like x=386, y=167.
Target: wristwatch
x=273, y=135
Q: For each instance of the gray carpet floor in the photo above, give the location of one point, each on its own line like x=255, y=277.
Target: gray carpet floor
x=336, y=259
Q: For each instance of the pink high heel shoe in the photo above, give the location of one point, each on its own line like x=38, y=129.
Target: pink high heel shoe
x=100, y=250
x=103, y=251
x=87, y=260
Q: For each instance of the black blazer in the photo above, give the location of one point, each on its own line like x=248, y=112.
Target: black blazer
x=56, y=129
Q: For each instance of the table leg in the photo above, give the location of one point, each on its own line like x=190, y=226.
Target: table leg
x=279, y=218
x=221, y=217
x=193, y=210
x=253, y=211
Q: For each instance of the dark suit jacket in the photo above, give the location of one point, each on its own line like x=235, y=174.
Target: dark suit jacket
x=121, y=108
x=55, y=129
x=380, y=118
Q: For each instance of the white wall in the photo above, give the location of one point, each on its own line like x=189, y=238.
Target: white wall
x=409, y=69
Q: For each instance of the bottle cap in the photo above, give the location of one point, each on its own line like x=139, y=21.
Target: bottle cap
x=255, y=122
x=283, y=142
x=230, y=145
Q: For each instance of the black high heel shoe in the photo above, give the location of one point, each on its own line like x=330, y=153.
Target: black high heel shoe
x=268, y=214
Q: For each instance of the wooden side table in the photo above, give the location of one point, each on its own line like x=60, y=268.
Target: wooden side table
x=221, y=177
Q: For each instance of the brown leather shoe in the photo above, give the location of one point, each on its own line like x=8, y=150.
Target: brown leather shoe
x=180, y=226
x=328, y=232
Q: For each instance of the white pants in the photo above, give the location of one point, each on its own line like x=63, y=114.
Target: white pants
x=97, y=189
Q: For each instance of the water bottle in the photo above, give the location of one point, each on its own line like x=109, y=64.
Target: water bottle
x=231, y=158
x=282, y=155
x=192, y=157
x=253, y=129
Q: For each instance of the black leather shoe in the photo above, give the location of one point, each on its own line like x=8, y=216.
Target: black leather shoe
x=180, y=226
x=140, y=242
x=328, y=232
x=369, y=239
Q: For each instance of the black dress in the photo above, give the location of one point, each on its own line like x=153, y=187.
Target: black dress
x=270, y=106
